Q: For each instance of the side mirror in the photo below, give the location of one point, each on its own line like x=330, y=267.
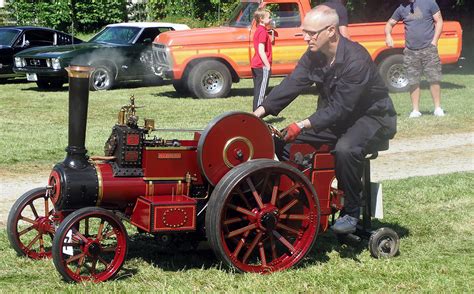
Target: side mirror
x=273, y=34
x=26, y=43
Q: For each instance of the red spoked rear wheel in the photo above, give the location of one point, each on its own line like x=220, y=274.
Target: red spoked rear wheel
x=90, y=245
x=30, y=225
x=263, y=216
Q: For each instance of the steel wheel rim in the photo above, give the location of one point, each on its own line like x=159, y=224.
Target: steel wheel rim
x=276, y=238
x=212, y=82
x=101, y=78
x=34, y=227
x=385, y=246
x=99, y=248
x=397, y=76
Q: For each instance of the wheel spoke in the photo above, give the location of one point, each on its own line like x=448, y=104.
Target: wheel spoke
x=29, y=220
x=252, y=246
x=275, y=191
x=26, y=230
x=288, y=206
x=301, y=217
x=241, y=244
x=77, y=234
x=41, y=243
x=86, y=227
x=103, y=261
x=241, y=210
x=94, y=265
x=79, y=264
x=284, y=194
x=109, y=249
x=33, y=241
x=265, y=183
x=46, y=205
x=241, y=230
x=33, y=209
x=109, y=234
x=254, y=193
x=234, y=220
x=75, y=257
x=273, y=247
x=244, y=199
x=284, y=241
x=261, y=250
x=99, y=232
x=287, y=228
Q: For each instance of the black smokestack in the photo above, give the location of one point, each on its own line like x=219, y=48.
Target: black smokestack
x=78, y=104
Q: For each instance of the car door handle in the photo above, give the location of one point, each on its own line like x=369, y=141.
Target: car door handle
x=299, y=35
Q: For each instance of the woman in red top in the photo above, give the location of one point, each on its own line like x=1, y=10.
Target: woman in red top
x=262, y=60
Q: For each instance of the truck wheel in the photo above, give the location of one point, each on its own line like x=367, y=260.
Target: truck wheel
x=210, y=79
x=102, y=78
x=181, y=87
x=263, y=216
x=393, y=73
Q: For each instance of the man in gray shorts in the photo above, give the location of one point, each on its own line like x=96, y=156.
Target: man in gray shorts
x=423, y=26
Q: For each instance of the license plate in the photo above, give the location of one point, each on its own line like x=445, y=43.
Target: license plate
x=31, y=77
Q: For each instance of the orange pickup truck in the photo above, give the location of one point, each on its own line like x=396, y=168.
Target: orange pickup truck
x=206, y=61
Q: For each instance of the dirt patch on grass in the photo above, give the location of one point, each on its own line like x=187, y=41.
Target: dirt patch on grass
x=438, y=154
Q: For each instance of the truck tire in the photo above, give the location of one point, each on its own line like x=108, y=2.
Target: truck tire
x=393, y=73
x=209, y=79
x=181, y=87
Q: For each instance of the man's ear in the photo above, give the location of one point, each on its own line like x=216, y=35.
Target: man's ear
x=332, y=30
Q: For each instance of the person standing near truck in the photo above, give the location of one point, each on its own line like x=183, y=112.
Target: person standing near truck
x=262, y=59
x=423, y=26
x=353, y=111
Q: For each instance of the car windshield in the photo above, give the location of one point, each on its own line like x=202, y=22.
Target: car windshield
x=116, y=35
x=8, y=36
x=242, y=15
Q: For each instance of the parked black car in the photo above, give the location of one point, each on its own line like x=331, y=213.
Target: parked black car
x=120, y=52
x=14, y=39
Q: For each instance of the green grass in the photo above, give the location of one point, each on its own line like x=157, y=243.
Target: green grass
x=433, y=216
x=34, y=123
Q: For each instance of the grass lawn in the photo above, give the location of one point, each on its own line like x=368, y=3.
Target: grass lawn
x=433, y=216
x=34, y=123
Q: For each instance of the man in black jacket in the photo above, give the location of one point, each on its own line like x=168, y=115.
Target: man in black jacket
x=354, y=109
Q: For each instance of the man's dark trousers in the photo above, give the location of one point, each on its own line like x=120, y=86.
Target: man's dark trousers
x=349, y=151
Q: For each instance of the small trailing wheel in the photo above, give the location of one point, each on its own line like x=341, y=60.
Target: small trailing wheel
x=30, y=225
x=393, y=73
x=90, y=245
x=102, y=78
x=210, y=79
x=384, y=243
x=263, y=216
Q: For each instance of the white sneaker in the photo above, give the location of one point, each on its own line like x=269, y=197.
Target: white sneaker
x=438, y=112
x=415, y=113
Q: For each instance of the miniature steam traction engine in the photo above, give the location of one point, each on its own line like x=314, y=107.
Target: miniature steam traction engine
x=224, y=186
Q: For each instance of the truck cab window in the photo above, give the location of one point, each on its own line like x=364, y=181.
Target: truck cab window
x=285, y=15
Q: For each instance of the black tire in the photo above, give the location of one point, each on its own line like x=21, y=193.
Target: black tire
x=181, y=87
x=393, y=73
x=46, y=84
x=210, y=79
x=384, y=243
x=102, y=78
x=273, y=217
x=98, y=247
x=30, y=227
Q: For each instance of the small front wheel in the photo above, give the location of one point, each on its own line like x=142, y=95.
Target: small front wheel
x=384, y=243
x=90, y=245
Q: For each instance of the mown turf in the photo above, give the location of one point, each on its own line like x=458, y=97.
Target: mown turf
x=433, y=216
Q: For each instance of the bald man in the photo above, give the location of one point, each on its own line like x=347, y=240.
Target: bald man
x=354, y=109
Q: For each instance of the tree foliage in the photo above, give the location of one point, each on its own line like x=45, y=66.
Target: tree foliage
x=91, y=15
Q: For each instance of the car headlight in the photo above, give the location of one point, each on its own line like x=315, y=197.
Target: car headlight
x=19, y=62
x=55, y=63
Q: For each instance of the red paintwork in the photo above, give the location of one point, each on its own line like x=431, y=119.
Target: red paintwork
x=165, y=213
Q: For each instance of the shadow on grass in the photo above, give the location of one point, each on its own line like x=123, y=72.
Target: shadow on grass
x=183, y=256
